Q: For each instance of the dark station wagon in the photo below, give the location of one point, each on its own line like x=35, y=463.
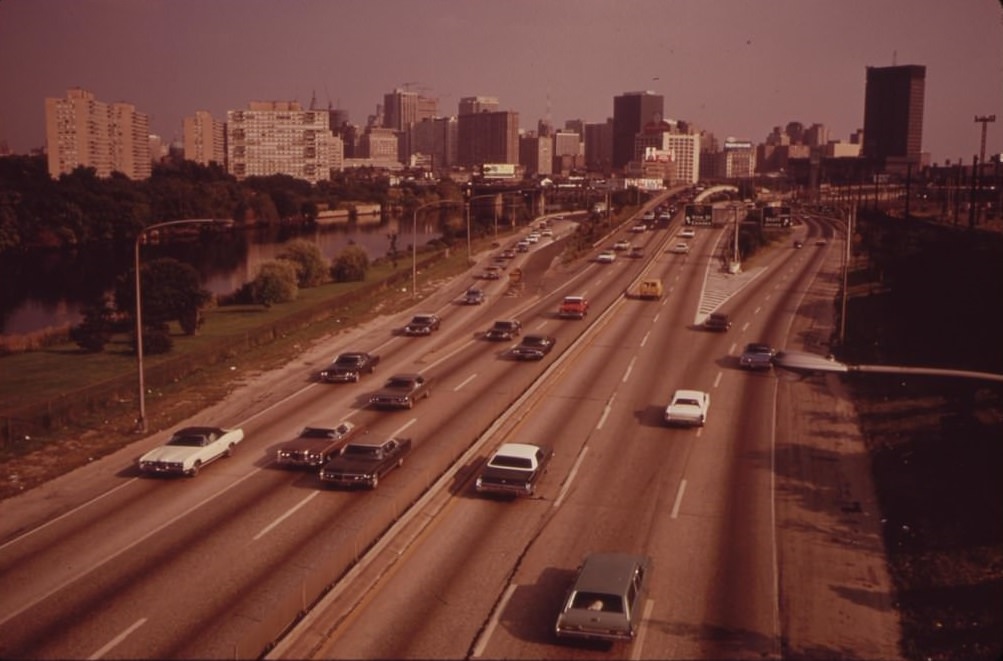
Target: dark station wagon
x=607, y=599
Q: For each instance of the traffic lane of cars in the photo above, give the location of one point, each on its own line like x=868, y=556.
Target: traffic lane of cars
x=318, y=393
x=571, y=411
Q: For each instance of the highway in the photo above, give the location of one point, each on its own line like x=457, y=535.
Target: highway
x=218, y=566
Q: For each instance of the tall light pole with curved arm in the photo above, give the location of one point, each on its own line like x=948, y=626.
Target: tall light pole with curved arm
x=141, y=421
x=414, y=241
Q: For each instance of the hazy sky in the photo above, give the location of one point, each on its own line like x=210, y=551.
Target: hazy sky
x=735, y=68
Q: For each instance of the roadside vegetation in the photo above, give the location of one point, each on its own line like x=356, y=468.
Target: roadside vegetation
x=929, y=295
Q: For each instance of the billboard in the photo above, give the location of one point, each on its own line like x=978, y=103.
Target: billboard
x=498, y=170
x=699, y=214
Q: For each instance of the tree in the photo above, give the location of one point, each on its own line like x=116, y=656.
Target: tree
x=95, y=331
x=171, y=291
x=350, y=265
x=275, y=283
x=311, y=267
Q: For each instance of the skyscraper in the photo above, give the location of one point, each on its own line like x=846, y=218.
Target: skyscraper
x=893, y=114
x=488, y=137
x=204, y=138
x=631, y=112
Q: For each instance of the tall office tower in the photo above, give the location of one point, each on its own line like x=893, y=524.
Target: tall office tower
x=599, y=147
x=470, y=105
x=536, y=154
x=204, y=139
x=893, y=114
x=279, y=137
x=436, y=138
x=402, y=109
x=488, y=137
x=109, y=137
x=631, y=112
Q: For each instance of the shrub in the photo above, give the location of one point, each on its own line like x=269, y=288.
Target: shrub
x=276, y=282
x=350, y=265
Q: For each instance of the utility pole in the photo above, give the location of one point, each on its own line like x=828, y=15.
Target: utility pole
x=984, y=119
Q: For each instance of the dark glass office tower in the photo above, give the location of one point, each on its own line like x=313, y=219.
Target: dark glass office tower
x=631, y=111
x=893, y=114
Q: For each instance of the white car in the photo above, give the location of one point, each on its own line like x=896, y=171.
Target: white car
x=687, y=233
x=189, y=449
x=688, y=407
x=681, y=249
x=640, y=227
x=606, y=257
x=622, y=244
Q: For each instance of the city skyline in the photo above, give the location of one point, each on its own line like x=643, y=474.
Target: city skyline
x=725, y=67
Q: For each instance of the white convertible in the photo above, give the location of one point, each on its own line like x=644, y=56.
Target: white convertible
x=189, y=449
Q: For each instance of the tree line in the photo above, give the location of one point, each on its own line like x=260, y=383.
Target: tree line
x=80, y=208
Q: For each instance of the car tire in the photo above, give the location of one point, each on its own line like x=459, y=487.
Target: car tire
x=229, y=451
x=195, y=469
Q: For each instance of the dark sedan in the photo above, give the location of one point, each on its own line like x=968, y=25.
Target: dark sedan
x=533, y=347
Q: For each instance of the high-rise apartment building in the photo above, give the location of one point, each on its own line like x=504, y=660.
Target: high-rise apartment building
x=631, y=112
x=471, y=105
x=893, y=115
x=81, y=131
x=279, y=137
x=204, y=139
x=402, y=109
x=488, y=137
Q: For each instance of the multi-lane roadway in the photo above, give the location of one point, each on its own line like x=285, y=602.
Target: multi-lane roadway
x=219, y=565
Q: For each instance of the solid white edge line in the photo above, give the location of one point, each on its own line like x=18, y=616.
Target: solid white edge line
x=288, y=513
x=117, y=639
x=679, y=499
x=635, y=652
x=482, y=641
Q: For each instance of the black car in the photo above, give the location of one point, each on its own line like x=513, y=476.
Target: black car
x=503, y=330
x=474, y=296
x=348, y=367
x=422, y=324
x=717, y=321
x=533, y=347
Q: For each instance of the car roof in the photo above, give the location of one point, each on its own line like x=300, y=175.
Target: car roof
x=574, y=299
x=526, y=450
x=608, y=573
x=689, y=394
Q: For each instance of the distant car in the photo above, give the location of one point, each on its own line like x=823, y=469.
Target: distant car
x=503, y=330
x=681, y=249
x=189, y=449
x=640, y=227
x=573, y=307
x=522, y=246
x=513, y=470
x=665, y=217
x=401, y=391
x=533, y=237
x=622, y=244
x=635, y=252
x=491, y=273
x=349, y=367
x=547, y=232
x=757, y=356
x=606, y=602
x=687, y=233
x=799, y=244
x=533, y=347
x=422, y=324
x=606, y=257
x=648, y=215
x=717, y=321
x=473, y=296
x=820, y=242
x=508, y=253
x=688, y=407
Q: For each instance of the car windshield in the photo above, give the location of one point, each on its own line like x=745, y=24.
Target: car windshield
x=348, y=360
x=188, y=440
x=399, y=383
x=532, y=341
x=371, y=451
x=318, y=432
x=687, y=402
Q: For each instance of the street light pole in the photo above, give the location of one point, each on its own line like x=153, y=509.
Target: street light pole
x=414, y=241
x=807, y=364
x=141, y=424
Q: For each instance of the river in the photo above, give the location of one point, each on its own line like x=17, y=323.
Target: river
x=45, y=289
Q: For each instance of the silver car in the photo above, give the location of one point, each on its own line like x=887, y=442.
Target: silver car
x=607, y=599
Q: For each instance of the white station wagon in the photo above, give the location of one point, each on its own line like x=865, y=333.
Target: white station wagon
x=688, y=407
